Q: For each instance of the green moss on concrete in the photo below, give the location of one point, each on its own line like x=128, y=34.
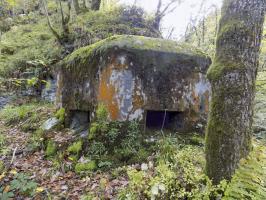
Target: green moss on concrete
x=129, y=43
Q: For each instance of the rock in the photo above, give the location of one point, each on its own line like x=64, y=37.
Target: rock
x=50, y=124
x=49, y=92
x=144, y=167
x=4, y=100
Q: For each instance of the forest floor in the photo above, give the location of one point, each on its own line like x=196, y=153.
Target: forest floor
x=51, y=182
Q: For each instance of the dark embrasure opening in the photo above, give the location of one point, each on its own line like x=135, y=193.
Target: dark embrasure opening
x=164, y=119
x=79, y=119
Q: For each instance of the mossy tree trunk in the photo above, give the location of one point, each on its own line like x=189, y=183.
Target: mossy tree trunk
x=95, y=4
x=232, y=76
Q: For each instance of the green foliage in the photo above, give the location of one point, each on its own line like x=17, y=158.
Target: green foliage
x=27, y=38
x=88, y=197
x=115, y=141
x=21, y=184
x=32, y=82
x=96, y=26
x=2, y=166
x=60, y=114
x=2, y=140
x=101, y=113
x=50, y=149
x=29, y=117
x=36, y=141
x=75, y=148
x=248, y=181
x=178, y=174
x=25, y=43
x=86, y=167
x=6, y=195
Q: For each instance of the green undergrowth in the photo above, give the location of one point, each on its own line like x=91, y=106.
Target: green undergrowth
x=249, y=181
x=114, y=143
x=95, y=26
x=260, y=107
x=177, y=172
x=29, y=116
x=30, y=46
x=27, y=47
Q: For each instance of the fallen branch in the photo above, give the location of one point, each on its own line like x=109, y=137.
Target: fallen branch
x=13, y=156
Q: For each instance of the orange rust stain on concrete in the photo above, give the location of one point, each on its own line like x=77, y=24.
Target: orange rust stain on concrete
x=196, y=102
x=137, y=99
x=206, y=95
x=106, y=93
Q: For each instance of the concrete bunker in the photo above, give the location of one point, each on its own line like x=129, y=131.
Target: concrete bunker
x=137, y=78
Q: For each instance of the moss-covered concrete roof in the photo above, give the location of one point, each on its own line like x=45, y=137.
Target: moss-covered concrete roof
x=131, y=43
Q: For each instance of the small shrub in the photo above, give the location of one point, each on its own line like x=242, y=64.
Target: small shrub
x=50, y=149
x=121, y=140
x=36, y=140
x=75, y=148
x=23, y=184
x=60, y=115
x=86, y=167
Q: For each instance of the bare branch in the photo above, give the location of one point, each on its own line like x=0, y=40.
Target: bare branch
x=49, y=23
x=162, y=12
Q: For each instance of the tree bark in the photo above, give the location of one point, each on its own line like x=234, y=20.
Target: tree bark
x=76, y=6
x=95, y=4
x=232, y=76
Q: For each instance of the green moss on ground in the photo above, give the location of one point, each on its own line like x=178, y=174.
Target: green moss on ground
x=27, y=43
x=85, y=167
x=75, y=148
x=51, y=149
x=60, y=115
x=28, y=117
x=30, y=40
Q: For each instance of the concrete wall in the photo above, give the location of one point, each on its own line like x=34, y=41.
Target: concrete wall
x=130, y=82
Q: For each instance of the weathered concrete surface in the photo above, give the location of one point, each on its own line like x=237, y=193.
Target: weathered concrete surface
x=132, y=74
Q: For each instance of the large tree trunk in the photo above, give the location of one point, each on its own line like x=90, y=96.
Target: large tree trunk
x=232, y=76
x=95, y=4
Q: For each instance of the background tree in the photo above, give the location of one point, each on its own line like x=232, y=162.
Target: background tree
x=232, y=76
x=76, y=6
x=95, y=4
x=162, y=11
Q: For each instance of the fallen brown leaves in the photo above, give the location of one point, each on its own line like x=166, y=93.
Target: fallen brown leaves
x=51, y=181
